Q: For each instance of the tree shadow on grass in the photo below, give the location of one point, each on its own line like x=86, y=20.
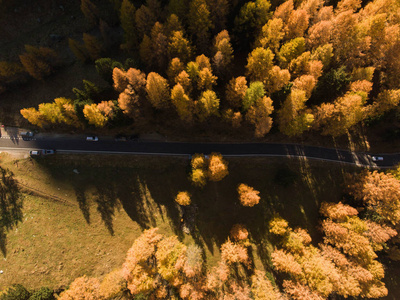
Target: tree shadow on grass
x=107, y=203
x=83, y=202
x=10, y=206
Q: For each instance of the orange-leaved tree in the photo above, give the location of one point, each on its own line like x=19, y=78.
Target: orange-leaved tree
x=248, y=196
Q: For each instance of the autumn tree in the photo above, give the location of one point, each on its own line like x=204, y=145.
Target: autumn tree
x=219, y=10
x=94, y=116
x=297, y=24
x=128, y=24
x=203, y=62
x=140, y=265
x=248, y=196
x=183, y=198
x=305, y=83
x=254, y=92
x=271, y=35
x=262, y=288
x=179, y=8
x=33, y=116
x=183, y=104
x=145, y=19
x=82, y=288
x=158, y=90
x=113, y=285
x=200, y=23
x=207, y=105
x=184, y=80
x=259, y=115
x=380, y=192
x=206, y=79
x=276, y=79
x=259, y=63
x=252, y=16
x=175, y=67
x=93, y=46
x=172, y=24
x=129, y=103
x=236, y=91
x=350, y=243
x=61, y=111
x=217, y=167
x=180, y=47
x=39, y=62
x=324, y=54
x=198, y=174
x=11, y=73
x=291, y=50
x=337, y=118
x=137, y=80
x=79, y=50
x=319, y=34
x=223, y=52
x=293, y=117
x=90, y=11
x=349, y=40
x=239, y=232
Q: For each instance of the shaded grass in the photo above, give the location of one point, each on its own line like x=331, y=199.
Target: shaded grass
x=113, y=198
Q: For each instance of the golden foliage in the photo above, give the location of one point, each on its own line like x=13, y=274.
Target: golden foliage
x=262, y=289
x=113, y=285
x=157, y=89
x=259, y=115
x=217, y=167
x=183, y=198
x=337, y=212
x=82, y=288
x=380, y=192
x=120, y=80
x=236, y=90
x=232, y=253
x=278, y=226
x=248, y=196
x=184, y=106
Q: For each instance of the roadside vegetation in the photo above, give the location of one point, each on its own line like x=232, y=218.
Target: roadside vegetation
x=192, y=67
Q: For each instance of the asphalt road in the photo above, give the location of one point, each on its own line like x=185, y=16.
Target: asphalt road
x=71, y=144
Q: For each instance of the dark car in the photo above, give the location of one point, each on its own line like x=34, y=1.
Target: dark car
x=134, y=137
x=121, y=138
x=27, y=134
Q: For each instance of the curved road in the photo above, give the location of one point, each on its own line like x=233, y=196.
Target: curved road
x=11, y=141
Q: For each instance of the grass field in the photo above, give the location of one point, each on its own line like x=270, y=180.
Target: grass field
x=86, y=222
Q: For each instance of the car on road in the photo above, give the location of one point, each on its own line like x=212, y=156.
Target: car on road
x=92, y=138
x=27, y=133
x=121, y=138
x=42, y=152
x=377, y=158
x=134, y=137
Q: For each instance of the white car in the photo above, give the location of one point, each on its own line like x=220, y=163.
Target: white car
x=92, y=138
x=41, y=152
x=377, y=158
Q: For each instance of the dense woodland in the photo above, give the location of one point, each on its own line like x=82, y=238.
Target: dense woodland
x=294, y=66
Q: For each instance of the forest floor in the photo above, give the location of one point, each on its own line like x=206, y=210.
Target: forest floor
x=76, y=224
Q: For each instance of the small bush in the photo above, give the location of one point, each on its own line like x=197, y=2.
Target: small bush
x=44, y=293
x=15, y=292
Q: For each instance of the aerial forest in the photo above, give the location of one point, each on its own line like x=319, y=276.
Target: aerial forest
x=226, y=70
x=216, y=65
